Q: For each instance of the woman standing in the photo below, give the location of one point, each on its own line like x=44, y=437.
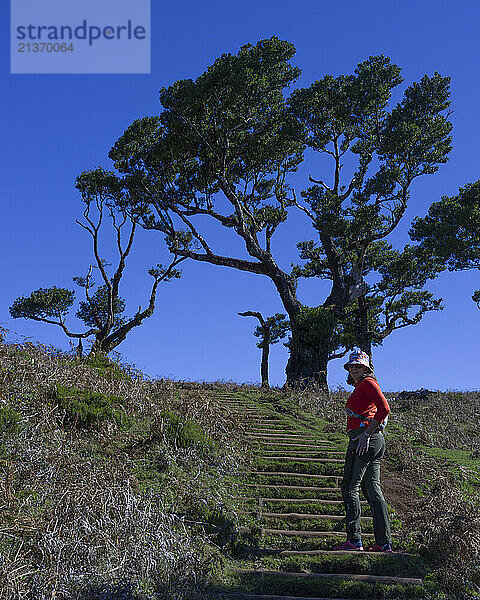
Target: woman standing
x=366, y=409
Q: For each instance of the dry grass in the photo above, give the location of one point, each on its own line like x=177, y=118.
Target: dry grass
x=449, y=531
x=92, y=512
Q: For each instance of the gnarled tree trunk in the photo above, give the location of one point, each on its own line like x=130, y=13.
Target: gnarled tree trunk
x=306, y=366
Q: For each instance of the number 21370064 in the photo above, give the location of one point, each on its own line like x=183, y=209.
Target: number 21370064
x=45, y=47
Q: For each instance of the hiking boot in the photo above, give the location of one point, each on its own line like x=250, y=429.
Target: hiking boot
x=387, y=549
x=350, y=546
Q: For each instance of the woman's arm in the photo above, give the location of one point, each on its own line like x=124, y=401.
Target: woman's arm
x=364, y=437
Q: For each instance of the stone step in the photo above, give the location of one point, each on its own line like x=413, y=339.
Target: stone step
x=350, y=576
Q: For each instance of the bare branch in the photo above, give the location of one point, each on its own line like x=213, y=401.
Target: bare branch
x=320, y=182
x=302, y=208
x=195, y=233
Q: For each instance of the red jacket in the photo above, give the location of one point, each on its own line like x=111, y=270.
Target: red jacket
x=367, y=400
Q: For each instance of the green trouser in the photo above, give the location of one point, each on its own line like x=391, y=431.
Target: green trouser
x=365, y=471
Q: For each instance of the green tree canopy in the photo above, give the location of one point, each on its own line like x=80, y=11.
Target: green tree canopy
x=451, y=231
x=43, y=304
x=223, y=150
x=277, y=326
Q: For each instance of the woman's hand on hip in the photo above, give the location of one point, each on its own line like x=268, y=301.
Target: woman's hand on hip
x=363, y=443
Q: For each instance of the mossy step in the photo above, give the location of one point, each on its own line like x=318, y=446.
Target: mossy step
x=291, y=479
x=302, y=459
x=386, y=579
x=241, y=596
x=248, y=407
x=249, y=414
x=289, y=474
x=293, y=515
x=291, y=487
x=286, y=552
x=301, y=434
x=279, y=439
x=321, y=525
x=276, y=427
x=293, y=445
x=327, y=467
x=298, y=542
x=307, y=533
x=359, y=563
x=297, y=500
x=329, y=589
x=286, y=446
x=258, y=431
x=272, y=420
x=305, y=505
x=292, y=492
x=303, y=440
x=303, y=453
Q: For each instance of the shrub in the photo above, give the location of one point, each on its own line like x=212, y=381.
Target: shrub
x=85, y=407
x=9, y=420
x=185, y=433
x=105, y=367
x=450, y=528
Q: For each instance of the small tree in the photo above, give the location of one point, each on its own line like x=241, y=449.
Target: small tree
x=101, y=311
x=270, y=331
x=451, y=231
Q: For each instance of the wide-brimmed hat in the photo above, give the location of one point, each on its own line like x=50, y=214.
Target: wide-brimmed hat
x=358, y=357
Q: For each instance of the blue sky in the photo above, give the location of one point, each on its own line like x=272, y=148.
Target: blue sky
x=56, y=126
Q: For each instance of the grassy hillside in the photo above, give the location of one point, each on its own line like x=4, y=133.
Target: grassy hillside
x=114, y=486
x=111, y=486
x=431, y=475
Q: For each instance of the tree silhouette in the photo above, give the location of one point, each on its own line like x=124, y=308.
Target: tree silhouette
x=270, y=331
x=101, y=311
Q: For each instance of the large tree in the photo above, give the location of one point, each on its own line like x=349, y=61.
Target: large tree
x=451, y=231
x=102, y=310
x=225, y=145
x=347, y=119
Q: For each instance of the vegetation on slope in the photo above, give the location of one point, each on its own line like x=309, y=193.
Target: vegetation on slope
x=111, y=486
x=431, y=474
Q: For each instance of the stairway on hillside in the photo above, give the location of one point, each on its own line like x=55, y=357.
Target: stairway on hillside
x=292, y=491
